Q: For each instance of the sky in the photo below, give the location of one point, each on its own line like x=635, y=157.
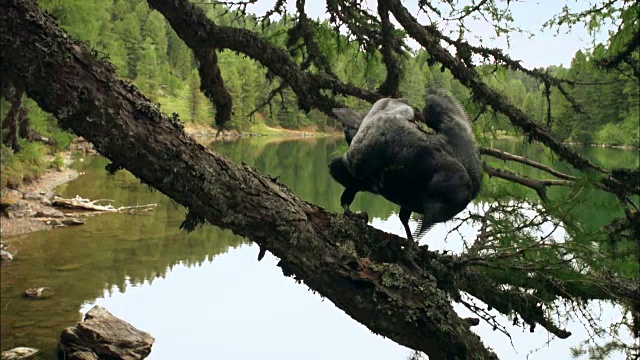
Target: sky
x=545, y=49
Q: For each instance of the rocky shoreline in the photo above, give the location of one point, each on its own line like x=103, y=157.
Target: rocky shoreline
x=30, y=204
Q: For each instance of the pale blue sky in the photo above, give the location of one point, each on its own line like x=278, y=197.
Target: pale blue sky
x=543, y=50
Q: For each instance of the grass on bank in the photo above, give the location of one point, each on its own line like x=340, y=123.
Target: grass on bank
x=32, y=160
x=26, y=165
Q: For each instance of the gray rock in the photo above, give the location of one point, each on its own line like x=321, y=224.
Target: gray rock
x=18, y=214
x=72, y=222
x=104, y=336
x=49, y=213
x=32, y=196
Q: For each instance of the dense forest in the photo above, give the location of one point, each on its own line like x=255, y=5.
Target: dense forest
x=147, y=51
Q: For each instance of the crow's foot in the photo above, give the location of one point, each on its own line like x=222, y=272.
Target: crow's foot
x=358, y=214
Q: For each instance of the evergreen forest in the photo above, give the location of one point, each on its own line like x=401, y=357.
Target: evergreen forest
x=146, y=50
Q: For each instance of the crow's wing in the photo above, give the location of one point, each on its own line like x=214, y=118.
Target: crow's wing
x=373, y=146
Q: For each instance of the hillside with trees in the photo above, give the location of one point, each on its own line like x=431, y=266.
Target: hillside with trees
x=145, y=49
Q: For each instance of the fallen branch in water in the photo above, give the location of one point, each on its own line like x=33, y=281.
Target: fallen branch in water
x=86, y=204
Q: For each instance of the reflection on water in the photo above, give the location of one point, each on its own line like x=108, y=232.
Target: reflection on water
x=203, y=294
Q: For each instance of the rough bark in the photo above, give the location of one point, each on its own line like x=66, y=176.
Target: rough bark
x=395, y=299
x=394, y=72
x=103, y=336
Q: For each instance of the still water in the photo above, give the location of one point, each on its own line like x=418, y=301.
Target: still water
x=203, y=295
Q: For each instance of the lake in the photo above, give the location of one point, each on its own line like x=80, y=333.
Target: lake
x=203, y=295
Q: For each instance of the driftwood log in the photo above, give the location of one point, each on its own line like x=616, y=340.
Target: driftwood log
x=103, y=336
x=390, y=285
x=92, y=205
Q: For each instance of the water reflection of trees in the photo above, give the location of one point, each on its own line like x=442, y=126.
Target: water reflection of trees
x=302, y=166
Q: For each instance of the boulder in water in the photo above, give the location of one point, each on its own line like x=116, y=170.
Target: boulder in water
x=103, y=336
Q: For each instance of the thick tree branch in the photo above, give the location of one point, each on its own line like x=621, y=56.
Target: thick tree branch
x=393, y=299
x=190, y=22
x=11, y=123
x=391, y=83
x=212, y=84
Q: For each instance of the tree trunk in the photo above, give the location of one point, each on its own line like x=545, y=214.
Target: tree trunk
x=24, y=130
x=10, y=124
